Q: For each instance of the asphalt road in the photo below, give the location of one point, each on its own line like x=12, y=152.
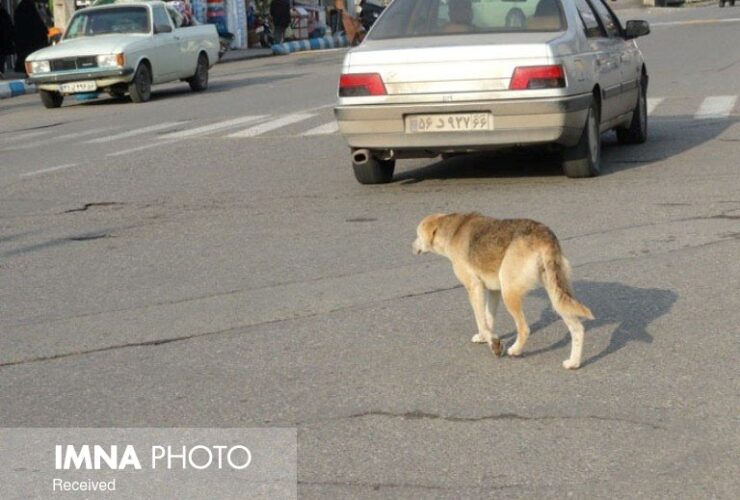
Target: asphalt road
x=184, y=278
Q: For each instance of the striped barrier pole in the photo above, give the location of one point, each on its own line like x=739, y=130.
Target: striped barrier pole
x=327, y=42
x=15, y=88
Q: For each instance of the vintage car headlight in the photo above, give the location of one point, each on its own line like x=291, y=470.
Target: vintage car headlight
x=111, y=61
x=37, y=67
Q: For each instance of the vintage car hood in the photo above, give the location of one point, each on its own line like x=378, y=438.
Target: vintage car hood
x=87, y=46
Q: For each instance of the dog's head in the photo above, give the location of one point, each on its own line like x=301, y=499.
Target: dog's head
x=425, y=234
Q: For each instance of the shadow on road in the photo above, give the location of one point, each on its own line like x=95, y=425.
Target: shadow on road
x=631, y=309
x=669, y=137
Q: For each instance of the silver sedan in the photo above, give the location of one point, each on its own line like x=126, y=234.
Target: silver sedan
x=454, y=76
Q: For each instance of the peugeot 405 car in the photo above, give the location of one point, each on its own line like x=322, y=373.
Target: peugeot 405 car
x=443, y=77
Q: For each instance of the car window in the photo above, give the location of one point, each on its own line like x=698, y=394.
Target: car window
x=106, y=21
x=590, y=21
x=160, y=16
x=409, y=18
x=610, y=23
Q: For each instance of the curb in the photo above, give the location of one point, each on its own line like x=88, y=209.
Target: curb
x=327, y=42
x=15, y=88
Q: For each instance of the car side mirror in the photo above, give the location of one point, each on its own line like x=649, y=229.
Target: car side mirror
x=162, y=28
x=636, y=29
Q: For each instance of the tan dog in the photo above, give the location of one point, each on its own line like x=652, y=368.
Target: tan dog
x=495, y=258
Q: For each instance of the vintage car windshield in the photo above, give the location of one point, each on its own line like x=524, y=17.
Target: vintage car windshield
x=106, y=21
x=414, y=18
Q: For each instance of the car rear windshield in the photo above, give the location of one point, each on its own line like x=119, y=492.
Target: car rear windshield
x=412, y=18
x=106, y=21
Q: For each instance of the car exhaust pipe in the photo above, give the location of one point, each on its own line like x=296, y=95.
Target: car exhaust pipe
x=360, y=156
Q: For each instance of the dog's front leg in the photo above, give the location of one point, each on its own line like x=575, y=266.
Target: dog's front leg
x=483, y=314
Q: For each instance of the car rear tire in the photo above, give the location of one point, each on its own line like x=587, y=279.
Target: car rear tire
x=374, y=171
x=51, y=99
x=721, y=3
x=199, y=81
x=636, y=133
x=140, y=88
x=584, y=159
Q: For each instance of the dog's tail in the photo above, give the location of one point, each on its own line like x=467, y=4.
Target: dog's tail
x=556, y=277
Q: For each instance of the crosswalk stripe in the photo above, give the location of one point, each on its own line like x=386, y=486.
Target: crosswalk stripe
x=61, y=138
x=48, y=170
x=716, y=107
x=213, y=127
x=272, y=125
x=134, y=133
x=652, y=103
x=27, y=135
x=327, y=128
x=141, y=148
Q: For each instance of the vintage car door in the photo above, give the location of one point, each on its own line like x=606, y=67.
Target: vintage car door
x=165, y=47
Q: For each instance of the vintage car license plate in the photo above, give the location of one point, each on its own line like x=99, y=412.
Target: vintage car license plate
x=73, y=87
x=456, y=122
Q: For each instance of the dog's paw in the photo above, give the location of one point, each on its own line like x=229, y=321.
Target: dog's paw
x=478, y=339
x=497, y=347
x=568, y=364
x=514, y=351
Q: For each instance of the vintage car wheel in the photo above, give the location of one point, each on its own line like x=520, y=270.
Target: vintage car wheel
x=199, y=81
x=51, y=99
x=140, y=88
x=374, y=171
x=584, y=159
x=636, y=133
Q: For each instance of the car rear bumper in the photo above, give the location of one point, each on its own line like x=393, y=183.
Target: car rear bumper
x=104, y=78
x=515, y=122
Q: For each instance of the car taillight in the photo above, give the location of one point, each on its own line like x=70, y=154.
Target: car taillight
x=537, y=77
x=361, y=84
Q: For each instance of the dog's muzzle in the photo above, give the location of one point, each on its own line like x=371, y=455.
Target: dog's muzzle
x=416, y=247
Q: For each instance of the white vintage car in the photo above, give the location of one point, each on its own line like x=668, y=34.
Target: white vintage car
x=123, y=48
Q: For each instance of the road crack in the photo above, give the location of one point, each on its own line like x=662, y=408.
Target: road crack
x=420, y=415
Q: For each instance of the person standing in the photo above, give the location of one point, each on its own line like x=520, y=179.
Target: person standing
x=30, y=32
x=280, y=12
x=7, y=38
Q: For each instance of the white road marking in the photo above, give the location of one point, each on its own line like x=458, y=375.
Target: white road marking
x=272, y=125
x=716, y=107
x=213, y=127
x=141, y=148
x=135, y=132
x=653, y=103
x=27, y=135
x=47, y=170
x=327, y=128
x=60, y=138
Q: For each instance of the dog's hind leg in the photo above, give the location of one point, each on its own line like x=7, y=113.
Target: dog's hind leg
x=513, y=302
x=576, y=338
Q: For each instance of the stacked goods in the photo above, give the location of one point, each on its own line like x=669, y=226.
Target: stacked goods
x=215, y=14
x=199, y=10
x=236, y=22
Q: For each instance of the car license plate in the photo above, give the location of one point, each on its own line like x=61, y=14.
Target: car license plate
x=71, y=88
x=457, y=122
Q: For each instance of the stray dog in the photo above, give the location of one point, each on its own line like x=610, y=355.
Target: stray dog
x=495, y=258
